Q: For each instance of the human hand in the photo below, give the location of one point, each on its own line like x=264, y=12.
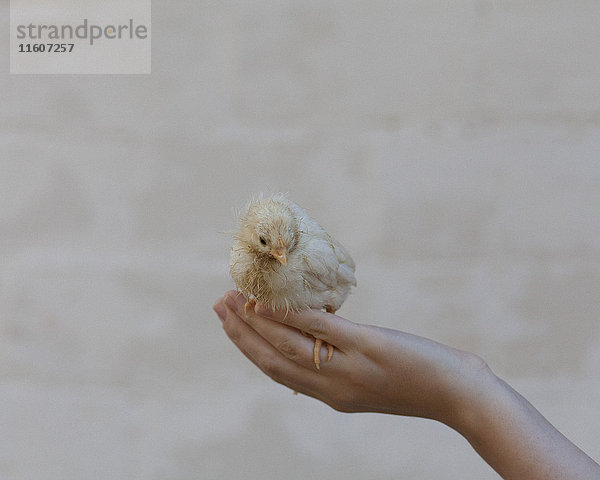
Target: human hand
x=373, y=369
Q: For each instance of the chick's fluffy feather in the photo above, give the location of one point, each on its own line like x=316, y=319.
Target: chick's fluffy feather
x=319, y=271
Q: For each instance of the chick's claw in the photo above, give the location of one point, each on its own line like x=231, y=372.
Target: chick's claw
x=317, y=352
x=249, y=306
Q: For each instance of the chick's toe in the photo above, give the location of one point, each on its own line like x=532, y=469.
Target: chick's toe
x=249, y=306
x=317, y=352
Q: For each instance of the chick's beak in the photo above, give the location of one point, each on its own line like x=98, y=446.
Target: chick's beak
x=280, y=253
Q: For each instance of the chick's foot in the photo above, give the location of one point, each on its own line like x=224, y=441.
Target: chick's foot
x=317, y=352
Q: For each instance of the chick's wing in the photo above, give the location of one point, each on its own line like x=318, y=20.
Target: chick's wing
x=327, y=264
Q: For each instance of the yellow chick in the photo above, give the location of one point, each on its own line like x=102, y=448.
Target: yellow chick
x=282, y=258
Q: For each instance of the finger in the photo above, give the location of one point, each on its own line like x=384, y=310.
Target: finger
x=268, y=358
x=289, y=341
x=238, y=296
x=265, y=358
x=332, y=329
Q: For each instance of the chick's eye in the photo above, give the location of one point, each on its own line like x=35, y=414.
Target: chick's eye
x=263, y=241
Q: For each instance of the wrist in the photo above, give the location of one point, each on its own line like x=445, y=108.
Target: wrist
x=467, y=394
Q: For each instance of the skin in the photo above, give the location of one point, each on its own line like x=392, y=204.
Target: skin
x=381, y=370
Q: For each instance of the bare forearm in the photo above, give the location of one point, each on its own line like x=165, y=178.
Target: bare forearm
x=515, y=439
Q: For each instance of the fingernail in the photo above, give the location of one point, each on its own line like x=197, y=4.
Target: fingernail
x=263, y=311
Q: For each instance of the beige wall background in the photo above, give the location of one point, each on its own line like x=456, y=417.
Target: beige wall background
x=452, y=146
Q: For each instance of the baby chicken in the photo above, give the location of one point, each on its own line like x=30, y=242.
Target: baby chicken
x=282, y=258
